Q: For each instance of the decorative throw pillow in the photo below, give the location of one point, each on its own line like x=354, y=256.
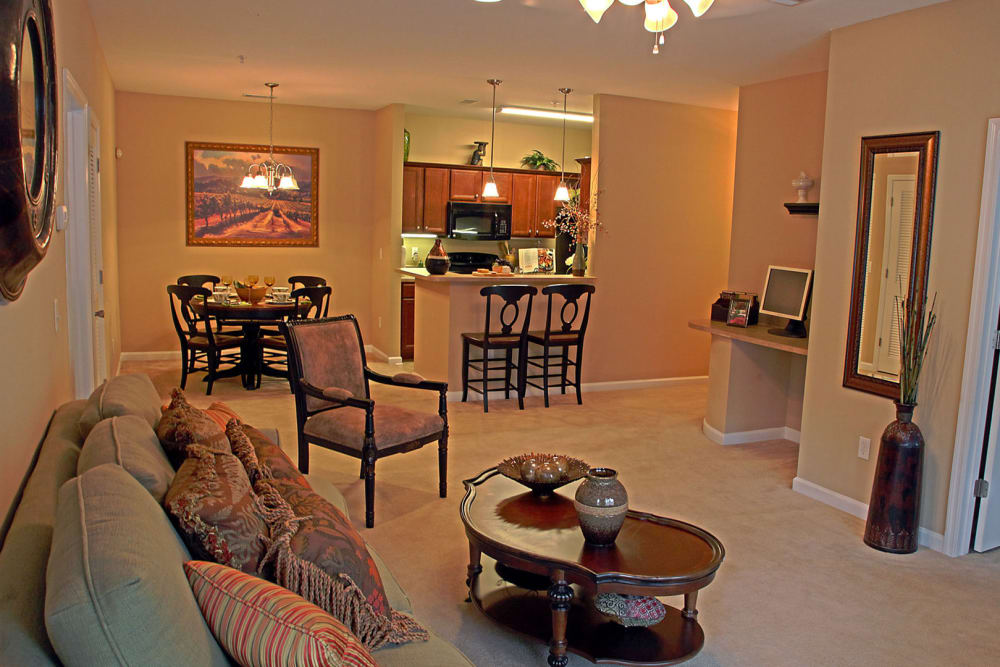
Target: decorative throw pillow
x=261, y=624
x=221, y=413
x=130, y=442
x=216, y=511
x=631, y=610
x=182, y=424
x=121, y=395
x=244, y=450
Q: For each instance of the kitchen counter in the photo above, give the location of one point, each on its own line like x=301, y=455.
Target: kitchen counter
x=447, y=306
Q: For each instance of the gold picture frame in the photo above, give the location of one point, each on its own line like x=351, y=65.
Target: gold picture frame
x=220, y=213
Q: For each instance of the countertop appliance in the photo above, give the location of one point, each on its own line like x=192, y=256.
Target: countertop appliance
x=478, y=221
x=468, y=262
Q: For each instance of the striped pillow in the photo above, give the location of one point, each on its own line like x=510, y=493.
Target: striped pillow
x=261, y=624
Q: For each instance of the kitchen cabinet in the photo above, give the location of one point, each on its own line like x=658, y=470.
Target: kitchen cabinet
x=406, y=314
x=504, y=181
x=413, y=199
x=436, y=184
x=546, y=207
x=466, y=184
x=522, y=217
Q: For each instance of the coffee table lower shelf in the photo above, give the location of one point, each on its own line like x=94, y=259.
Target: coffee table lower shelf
x=589, y=633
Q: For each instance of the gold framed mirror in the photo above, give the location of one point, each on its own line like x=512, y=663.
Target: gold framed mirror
x=891, y=253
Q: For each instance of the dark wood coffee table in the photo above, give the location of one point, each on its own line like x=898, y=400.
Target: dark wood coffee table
x=540, y=539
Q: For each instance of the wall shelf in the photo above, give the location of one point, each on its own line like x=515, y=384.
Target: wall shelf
x=809, y=208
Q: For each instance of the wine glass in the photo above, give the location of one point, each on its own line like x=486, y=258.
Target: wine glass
x=227, y=280
x=269, y=280
x=252, y=280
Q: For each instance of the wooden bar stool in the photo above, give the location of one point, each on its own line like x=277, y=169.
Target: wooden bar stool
x=507, y=339
x=566, y=333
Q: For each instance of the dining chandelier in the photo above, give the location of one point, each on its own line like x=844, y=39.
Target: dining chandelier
x=270, y=174
x=660, y=16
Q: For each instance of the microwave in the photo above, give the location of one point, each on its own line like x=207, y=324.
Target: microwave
x=479, y=221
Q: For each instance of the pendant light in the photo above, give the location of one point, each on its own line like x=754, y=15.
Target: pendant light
x=596, y=8
x=660, y=17
x=270, y=174
x=562, y=192
x=699, y=7
x=490, y=189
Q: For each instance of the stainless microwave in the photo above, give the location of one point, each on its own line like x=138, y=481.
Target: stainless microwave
x=479, y=221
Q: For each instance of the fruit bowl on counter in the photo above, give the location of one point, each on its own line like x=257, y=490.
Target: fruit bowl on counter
x=543, y=473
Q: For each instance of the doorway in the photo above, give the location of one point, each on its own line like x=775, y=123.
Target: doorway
x=84, y=252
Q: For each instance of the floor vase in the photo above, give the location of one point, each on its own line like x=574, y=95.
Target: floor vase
x=894, y=509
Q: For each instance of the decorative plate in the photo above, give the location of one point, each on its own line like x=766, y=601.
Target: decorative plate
x=512, y=467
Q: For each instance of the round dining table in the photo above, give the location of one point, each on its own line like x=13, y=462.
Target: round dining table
x=250, y=317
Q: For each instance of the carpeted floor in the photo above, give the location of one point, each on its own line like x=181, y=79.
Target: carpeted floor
x=798, y=586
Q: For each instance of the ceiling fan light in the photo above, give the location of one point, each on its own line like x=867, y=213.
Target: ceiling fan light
x=660, y=16
x=631, y=3
x=596, y=8
x=490, y=189
x=699, y=7
x=562, y=192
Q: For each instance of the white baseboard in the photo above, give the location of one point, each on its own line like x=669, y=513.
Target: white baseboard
x=373, y=352
x=163, y=355
x=395, y=361
x=744, y=437
x=587, y=387
x=925, y=538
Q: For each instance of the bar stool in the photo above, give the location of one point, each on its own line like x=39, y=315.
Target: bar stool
x=507, y=339
x=564, y=336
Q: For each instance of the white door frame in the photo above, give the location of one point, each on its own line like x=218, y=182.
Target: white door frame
x=979, y=349
x=79, y=296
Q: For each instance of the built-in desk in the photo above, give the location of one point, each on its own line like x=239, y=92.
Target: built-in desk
x=756, y=381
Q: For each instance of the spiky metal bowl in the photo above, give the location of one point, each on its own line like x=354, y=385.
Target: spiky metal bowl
x=511, y=468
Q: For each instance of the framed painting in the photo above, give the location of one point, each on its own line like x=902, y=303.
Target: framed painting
x=220, y=212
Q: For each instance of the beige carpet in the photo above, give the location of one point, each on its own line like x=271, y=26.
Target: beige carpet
x=798, y=586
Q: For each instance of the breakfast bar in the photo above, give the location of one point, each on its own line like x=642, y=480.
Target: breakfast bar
x=450, y=304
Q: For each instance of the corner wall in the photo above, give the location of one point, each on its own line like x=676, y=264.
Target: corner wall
x=386, y=227
x=36, y=373
x=664, y=178
x=927, y=69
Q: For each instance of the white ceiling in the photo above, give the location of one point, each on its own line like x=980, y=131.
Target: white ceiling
x=434, y=53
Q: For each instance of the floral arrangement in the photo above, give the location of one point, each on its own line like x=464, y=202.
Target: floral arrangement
x=575, y=220
x=915, y=332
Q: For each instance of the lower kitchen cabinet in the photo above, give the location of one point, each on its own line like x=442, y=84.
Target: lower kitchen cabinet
x=406, y=308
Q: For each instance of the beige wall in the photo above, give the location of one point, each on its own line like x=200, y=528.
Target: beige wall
x=921, y=70
x=386, y=228
x=152, y=130
x=37, y=376
x=665, y=182
x=449, y=140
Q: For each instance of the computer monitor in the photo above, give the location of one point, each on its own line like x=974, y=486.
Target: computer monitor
x=786, y=294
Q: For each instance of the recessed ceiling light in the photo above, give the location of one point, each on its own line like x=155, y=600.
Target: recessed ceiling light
x=545, y=113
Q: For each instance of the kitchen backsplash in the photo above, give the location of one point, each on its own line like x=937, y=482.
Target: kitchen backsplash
x=423, y=246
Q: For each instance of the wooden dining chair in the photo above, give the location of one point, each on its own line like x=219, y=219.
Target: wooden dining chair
x=274, y=346
x=199, y=280
x=568, y=332
x=306, y=281
x=511, y=337
x=334, y=408
x=199, y=343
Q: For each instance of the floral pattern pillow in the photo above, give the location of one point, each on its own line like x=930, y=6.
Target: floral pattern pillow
x=182, y=424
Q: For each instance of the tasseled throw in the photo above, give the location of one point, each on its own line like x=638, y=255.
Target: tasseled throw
x=338, y=595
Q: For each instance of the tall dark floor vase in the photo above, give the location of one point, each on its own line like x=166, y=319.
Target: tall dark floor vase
x=894, y=510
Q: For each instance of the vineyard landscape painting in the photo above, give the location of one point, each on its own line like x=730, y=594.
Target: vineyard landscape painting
x=220, y=212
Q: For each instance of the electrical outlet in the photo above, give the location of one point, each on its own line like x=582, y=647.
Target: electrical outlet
x=55, y=313
x=864, y=447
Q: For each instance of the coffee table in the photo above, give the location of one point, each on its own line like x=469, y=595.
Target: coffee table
x=536, y=541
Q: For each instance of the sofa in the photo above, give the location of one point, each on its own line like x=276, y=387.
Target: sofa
x=25, y=550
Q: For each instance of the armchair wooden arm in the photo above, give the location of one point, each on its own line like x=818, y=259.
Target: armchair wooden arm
x=397, y=381
x=337, y=395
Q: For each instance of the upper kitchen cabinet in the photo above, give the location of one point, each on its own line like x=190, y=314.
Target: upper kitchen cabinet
x=413, y=199
x=545, y=203
x=466, y=184
x=436, y=184
x=522, y=216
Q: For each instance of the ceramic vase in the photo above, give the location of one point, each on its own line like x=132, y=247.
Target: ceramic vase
x=580, y=260
x=894, y=509
x=437, y=261
x=601, y=504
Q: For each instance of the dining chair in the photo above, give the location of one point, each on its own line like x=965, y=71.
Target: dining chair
x=199, y=280
x=334, y=408
x=273, y=345
x=514, y=323
x=568, y=332
x=198, y=340
x=306, y=281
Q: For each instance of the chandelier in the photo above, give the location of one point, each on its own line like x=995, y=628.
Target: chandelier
x=660, y=16
x=270, y=174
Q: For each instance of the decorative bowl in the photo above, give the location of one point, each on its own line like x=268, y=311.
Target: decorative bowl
x=511, y=468
x=252, y=294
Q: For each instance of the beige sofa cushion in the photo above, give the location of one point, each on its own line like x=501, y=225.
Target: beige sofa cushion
x=435, y=652
x=131, y=443
x=119, y=396
x=116, y=592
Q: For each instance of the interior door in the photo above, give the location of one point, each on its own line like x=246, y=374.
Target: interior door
x=897, y=255
x=96, y=252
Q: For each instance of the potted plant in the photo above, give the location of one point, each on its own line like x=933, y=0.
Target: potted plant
x=894, y=508
x=537, y=160
x=577, y=222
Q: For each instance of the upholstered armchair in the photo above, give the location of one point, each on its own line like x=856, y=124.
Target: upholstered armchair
x=334, y=409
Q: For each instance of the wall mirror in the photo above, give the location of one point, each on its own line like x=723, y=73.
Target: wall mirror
x=891, y=253
x=27, y=140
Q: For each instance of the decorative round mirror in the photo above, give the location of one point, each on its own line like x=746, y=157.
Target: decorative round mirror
x=27, y=140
